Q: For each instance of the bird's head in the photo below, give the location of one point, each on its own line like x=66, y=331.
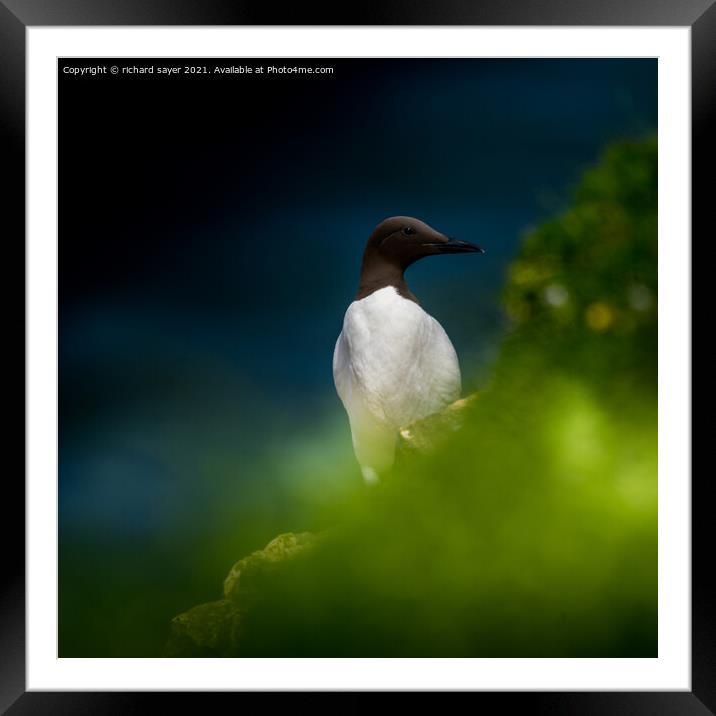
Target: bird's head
x=402, y=240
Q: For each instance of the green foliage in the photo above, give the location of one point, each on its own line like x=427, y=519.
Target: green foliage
x=533, y=531
x=583, y=290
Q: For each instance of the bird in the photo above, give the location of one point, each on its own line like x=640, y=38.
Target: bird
x=393, y=363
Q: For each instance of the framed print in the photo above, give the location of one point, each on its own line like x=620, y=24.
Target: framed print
x=359, y=353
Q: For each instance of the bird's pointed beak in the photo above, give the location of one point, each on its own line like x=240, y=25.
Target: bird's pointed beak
x=453, y=246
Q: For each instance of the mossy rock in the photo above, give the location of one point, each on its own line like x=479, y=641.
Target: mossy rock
x=215, y=628
x=426, y=435
x=247, y=571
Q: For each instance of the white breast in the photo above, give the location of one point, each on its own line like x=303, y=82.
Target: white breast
x=393, y=364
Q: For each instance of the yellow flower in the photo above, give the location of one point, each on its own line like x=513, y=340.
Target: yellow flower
x=599, y=316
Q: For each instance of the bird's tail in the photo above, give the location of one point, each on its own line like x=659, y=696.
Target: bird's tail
x=374, y=445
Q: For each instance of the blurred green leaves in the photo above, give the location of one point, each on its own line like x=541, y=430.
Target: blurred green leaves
x=585, y=283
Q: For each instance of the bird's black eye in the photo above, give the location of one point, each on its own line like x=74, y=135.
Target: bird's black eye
x=408, y=230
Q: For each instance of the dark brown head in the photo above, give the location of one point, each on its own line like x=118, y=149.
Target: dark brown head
x=395, y=244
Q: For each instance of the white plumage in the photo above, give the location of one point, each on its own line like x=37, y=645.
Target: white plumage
x=393, y=363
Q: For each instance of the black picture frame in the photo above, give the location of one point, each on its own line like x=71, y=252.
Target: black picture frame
x=17, y=15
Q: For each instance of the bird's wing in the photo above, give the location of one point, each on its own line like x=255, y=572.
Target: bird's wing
x=373, y=438
x=341, y=368
x=349, y=381
x=444, y=367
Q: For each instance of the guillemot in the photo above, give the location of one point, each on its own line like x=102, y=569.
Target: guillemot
x=393, y=363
